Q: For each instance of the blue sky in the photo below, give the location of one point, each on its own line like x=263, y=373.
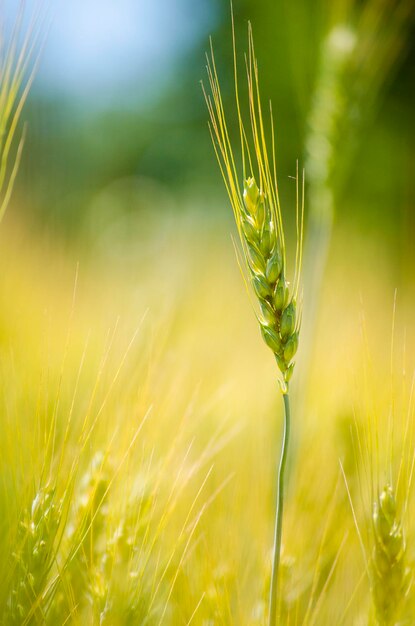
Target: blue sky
x=104, y=51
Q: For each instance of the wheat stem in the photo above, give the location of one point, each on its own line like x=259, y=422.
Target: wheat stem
x=273, y=598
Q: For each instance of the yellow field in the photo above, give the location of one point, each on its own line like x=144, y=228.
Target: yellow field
x=137, y=390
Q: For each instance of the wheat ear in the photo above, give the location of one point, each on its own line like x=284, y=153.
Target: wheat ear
x=34, y=557
x=389, y=572
x=257, y=212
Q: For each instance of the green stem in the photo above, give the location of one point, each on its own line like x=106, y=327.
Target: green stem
x=273, y=598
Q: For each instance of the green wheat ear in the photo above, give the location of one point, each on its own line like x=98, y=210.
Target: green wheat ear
x=256, y=206
x=33, y=558
x=253, y=194
x=263, y=244
x=389, y=571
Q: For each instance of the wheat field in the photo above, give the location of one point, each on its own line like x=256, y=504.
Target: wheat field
x=141, y=417
x=147, y=409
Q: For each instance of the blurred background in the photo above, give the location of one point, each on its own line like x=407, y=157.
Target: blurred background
x=119, y=193
x=117, y=98
x=118, y=166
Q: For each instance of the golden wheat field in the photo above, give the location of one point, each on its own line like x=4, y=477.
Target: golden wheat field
x=136, y=392
x=141, y=417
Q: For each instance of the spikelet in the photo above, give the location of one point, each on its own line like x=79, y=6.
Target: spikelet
x=34, y=557
x=116, y=575
x=257, y=212
x=389, y=571
x=91, y=500
x=89, y=530
x=83, y=543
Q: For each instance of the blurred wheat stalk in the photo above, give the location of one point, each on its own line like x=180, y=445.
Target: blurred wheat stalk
x=383, y=445
x=362, y=46
x=390, y=574
x=19, y=56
